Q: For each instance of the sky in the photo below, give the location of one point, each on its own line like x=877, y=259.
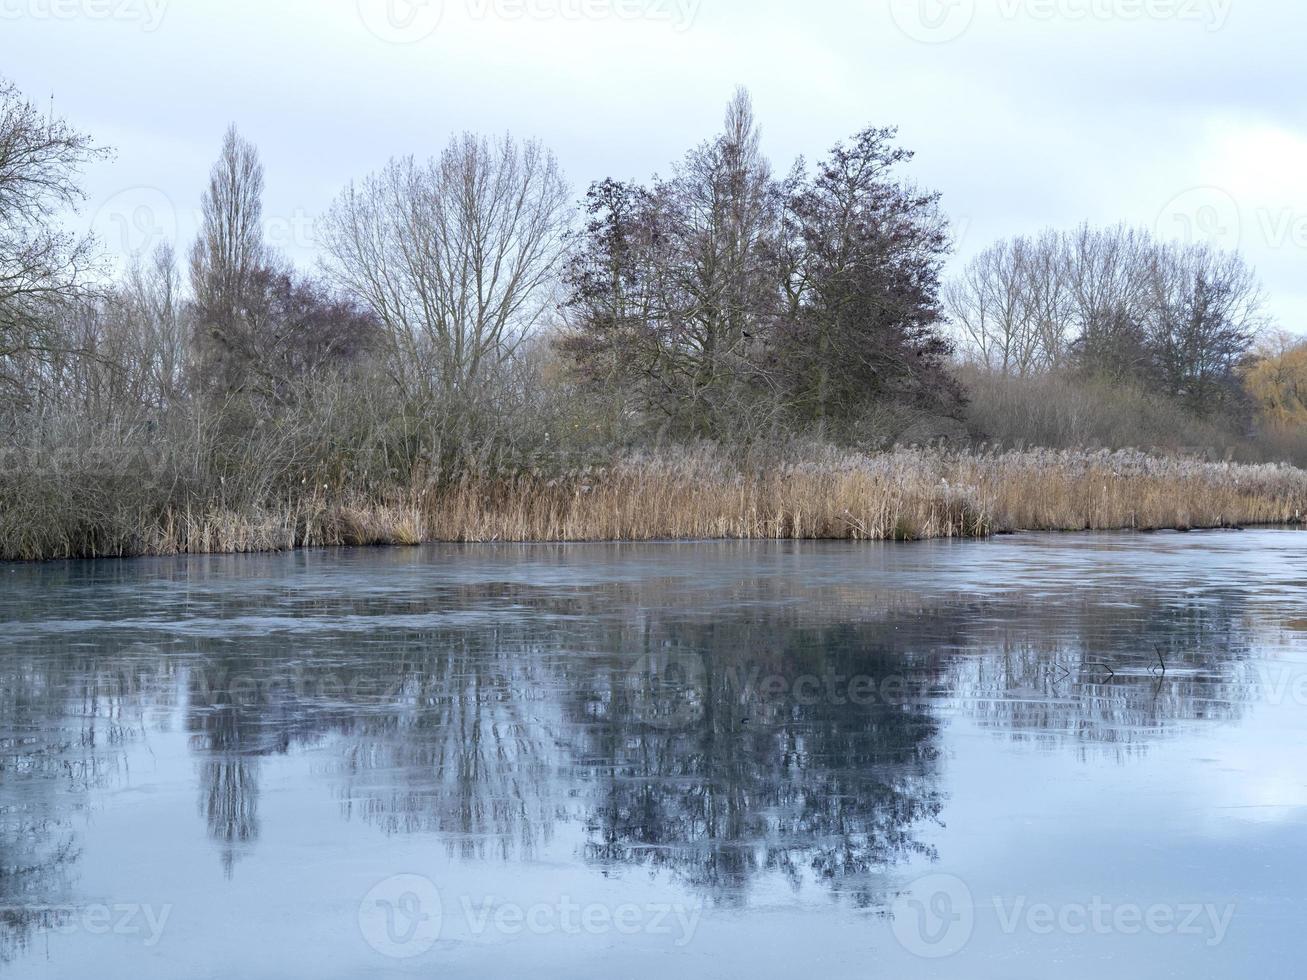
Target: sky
x=1187, y=117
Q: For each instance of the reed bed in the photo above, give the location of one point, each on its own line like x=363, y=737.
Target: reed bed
x=904, y=495
x=907, y=494
x=1071, y=491
x=699, y=494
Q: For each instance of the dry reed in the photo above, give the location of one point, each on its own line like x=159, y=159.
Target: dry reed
x=698, y=494
x=906, y=494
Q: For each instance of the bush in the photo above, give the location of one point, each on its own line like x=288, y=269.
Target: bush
x=1062, y=410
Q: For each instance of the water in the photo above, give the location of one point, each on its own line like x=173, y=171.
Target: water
x=655, y=761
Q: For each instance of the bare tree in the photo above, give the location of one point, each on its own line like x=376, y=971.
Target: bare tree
x=42, y=268
x=1107, y=275
x=152, y=297
x=226, y=261
x=1048, y=301
x=722, y=213
x=1176, y=319
x=230, y=247
x=992, y=307
x=457, y=257
x=1012, y=306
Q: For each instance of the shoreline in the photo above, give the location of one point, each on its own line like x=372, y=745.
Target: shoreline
x=584, y=542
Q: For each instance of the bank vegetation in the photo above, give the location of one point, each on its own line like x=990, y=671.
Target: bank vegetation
x=723, y=352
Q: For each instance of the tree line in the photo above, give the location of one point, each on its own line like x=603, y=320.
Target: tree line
x=717, y=295
x=465, y=306
x=1113, y=303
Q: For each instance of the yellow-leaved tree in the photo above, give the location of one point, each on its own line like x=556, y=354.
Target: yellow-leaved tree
x=1276, y=379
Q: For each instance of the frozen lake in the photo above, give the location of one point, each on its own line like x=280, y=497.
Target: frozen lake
x=1071, y=756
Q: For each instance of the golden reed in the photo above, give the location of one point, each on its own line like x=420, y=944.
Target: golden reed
x=907, y=494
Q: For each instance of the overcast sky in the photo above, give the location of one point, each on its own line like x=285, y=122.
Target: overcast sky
x=1187, y=116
